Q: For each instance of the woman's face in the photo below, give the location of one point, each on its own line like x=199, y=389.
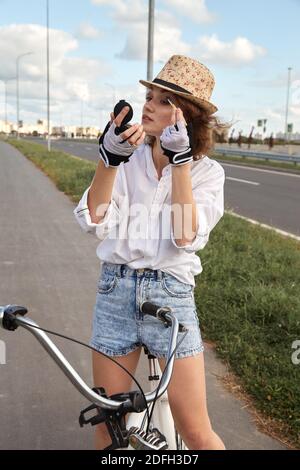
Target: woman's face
x=157, y=111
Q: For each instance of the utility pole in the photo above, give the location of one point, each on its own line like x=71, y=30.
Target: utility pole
x=48, y=80
x=18, y=89
x=150, y=40
x=287, y=105
x=5, y=80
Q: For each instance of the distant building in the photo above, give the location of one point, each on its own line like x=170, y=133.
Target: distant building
x=40, y=129
x=58, y=131
x=79, y=132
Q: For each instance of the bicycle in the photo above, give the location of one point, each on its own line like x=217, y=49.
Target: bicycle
x=145, y=429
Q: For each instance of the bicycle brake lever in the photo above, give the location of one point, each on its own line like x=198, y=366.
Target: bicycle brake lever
x=162, y=315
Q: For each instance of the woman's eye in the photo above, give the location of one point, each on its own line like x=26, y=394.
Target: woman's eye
x=165, y=102
x=148, y=98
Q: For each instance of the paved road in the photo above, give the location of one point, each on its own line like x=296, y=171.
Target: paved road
x=271, y=197
x=49, y=265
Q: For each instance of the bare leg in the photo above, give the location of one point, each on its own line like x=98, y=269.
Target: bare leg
x=114, y=380
x=187, y=398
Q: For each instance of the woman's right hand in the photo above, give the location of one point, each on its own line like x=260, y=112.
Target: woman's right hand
x=135, y=133
x=117, y=148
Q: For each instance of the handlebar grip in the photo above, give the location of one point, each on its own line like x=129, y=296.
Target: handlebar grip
x=150, y=309
x=8, y=315
x=159, y=312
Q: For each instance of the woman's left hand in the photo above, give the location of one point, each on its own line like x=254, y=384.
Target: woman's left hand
x=175, y=141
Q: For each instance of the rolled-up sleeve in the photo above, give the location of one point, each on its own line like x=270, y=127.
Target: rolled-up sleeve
x=83, y=217
x=112, y=215
x=209, y=199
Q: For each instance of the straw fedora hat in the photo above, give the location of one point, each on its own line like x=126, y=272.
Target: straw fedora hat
x=188, y=78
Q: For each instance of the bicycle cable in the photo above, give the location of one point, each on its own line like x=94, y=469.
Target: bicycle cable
x=105, y=355
x=149, y=415
x=160, y=382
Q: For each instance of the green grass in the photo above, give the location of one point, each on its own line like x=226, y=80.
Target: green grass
x=248, y=302
x=247, y=296
x=258, y=162
x=78, y=140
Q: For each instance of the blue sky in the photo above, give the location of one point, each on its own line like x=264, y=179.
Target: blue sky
x=98, y=54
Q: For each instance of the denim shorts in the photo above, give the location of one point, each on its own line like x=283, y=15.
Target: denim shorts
x=119, y=327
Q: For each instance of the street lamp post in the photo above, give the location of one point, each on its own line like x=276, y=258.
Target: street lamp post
x=18, y=90
x=48, y=80
x=287, y=105
x=150, y=40
x=81, y=115
x=5, y=104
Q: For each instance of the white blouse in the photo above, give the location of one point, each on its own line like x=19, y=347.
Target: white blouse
x=137, y=227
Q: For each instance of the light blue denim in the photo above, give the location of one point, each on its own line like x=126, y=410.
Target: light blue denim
x=119, y=327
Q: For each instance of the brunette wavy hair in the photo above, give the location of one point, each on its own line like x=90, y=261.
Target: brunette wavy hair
x=202, y=127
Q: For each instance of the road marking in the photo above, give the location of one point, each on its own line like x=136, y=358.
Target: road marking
x=269, y=227
x=242, y=181
x=261, y=169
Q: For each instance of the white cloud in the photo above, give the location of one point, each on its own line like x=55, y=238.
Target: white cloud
x=295, y=111
x=274, y=114
x=295, y=95
x=238, y=52
x=130, y=11
x=19, y=39
x=126, y=12
x=87, y=31
x=167, y=42
x=72, y=78
x=132, y=16
x=279, y=81
x=195, y=11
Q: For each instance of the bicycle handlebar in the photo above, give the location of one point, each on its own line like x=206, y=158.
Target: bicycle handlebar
x=12, y=316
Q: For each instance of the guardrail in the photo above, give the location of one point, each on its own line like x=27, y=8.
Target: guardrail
x=263, y=155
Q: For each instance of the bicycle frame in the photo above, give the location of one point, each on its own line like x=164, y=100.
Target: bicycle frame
x=162, y=416
x=12, y=316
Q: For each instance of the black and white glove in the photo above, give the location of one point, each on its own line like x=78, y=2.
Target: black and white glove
x=113, y=150
x=175, y=142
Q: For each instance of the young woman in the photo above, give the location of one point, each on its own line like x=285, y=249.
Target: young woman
x=153, y=202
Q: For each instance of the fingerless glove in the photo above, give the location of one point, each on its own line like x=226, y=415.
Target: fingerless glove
x=112, y=149
x=175, y=143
